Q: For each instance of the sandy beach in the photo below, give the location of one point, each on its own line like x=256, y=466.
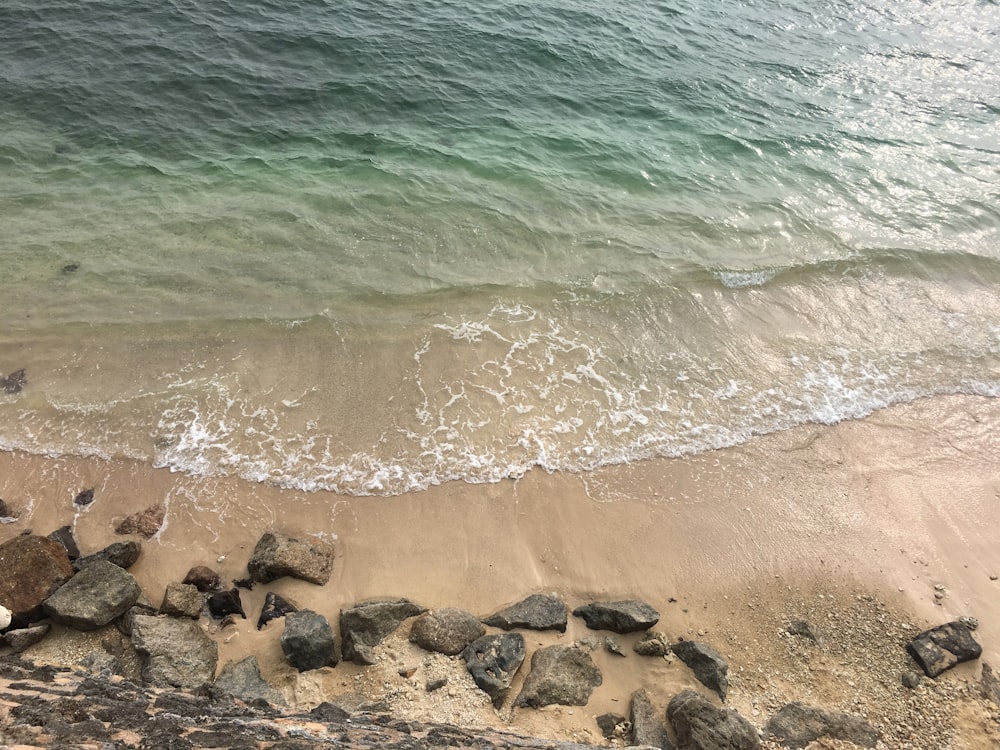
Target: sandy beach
x=865, y=516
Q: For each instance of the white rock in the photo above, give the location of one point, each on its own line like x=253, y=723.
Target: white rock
x=5, y=617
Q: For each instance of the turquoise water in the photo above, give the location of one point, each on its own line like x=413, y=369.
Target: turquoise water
x=370, y=247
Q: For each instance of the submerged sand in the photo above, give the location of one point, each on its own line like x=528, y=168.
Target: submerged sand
x=865, y=517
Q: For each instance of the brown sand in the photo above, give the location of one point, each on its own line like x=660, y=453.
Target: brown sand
x=727, y=545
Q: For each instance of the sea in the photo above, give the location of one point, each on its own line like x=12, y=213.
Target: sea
x=370, y=247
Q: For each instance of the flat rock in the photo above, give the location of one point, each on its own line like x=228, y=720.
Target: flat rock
x=699, y=725
x=93, y=597
x=706, y=663
x=32, y=568
x=647, y=729
x=122, y=554
x=146, y=523
x=173, y=651
x=242, y=680
x=182, y=600
x=493, y=660
x=24, y=638
x=652, y=644
x=307, y=641
x=203, y=578
x=446, y=631
x=561, y=675
x=941, y=648
x=797, y=725
x=626, y=616
x=366, y=624
x=536, y=612
x=277, y=555
x=275, y=606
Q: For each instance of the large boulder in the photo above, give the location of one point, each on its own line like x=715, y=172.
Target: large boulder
x=122, y=554
x=447, y=630
x=174, y=652
x=242, y=680
x=366, y=624
x=706, y=663
x=564, y=675
x=307, y=641
x=93, y=597
x=493, y=660
x=537, y=612
x=277, y=555
x=941, y=648
x=32, y=568
x=626, y=616
x=698, y=725
x=797, y=725
x=647, y=729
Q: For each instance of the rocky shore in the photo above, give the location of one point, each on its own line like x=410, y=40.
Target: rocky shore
x=139, y=674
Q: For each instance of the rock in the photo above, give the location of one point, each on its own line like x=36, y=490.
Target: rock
x=612, y=647
x=646, y=726
x=431, y=685
x=5, y=617
x=493, y=660
x=941, y=648
x=307, y=641
x=275, y=606
x=537, y=612
x=330, y=712
x=652, y=644
x=31, y=569
x=242, y=680
x=366, y=624
x=84, y=498
x=446, y=631
x=225, y=603
x=93, y=597
x=122, y=554
x=612, y=725
x=708, y=666
x=559, y=674
x=146, y=523
x=126, y=621
x=101, y=663
x=64, y=535
x=14, y=382
x=804, y=629
x=182, y=600
x=7, y=514
x=698, y=725
x=990, y=684
x=203, y=578
x=797, y=725
x=619, y=617
x=24, y=638
x=910, y=679
x=174, y=652
x=277, y=555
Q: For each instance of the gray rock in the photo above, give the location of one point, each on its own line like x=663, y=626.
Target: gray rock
x=990, y=684
x=182, y=600
x=122, y=554
x=366, y=624
x=174, y=652
x=537, y=612
x=64, y=535
x=626, y=616
x=941, y=648
x=24, y=638
x=32, y=568
x=242, y=680
x=706, y=663
x=493, y=660
x=805, y=630
x=93, y=597
x=308, y=641
x=101, y=663
x=447, y=630
x=797, y=725
x=911, y=679
x=646, y=726
x=277, y=555
x=559, y=675
x=613, y=725
x=698, y=725
x=652, y=644
x=612, y=647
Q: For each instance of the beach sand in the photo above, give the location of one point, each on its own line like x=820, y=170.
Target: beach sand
x=851, y=525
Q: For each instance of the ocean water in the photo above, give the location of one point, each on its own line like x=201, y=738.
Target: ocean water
x=369, y=246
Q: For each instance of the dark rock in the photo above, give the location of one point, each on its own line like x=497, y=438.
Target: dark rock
x=990, y=684
x=437, y=684
x=537, y=612
x=93, y=597
x=84, y=498
x=126, y=621
x=226, y=603
x=619, y=617
x=31, y=569
x=242, y=680
x=174, y=651
x=805, y=630
x=14, y=382
x=652, y=644
x=24, y=638
x=911, y=679
x=797, y=725
x=612, y=725
x=146, y=523
x=7, y=514
x=203, y=578
x=275, y=606
x=647, y=729
x=122, y=554
x=277, y=555
x=493, y=660
x=559, y=674
x=941, y=648
x=244, y=583
x=64, y=535
x=447, y=630
x=612, y=647
x=182, y=600
x=708, y=666
x=307, y=641
x=698, y=725
x=330, y=712
x=101, y=663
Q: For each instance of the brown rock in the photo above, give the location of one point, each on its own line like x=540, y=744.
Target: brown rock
x=203, y=578
x=145, y=523
x=277, y=555
x=31, y=569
